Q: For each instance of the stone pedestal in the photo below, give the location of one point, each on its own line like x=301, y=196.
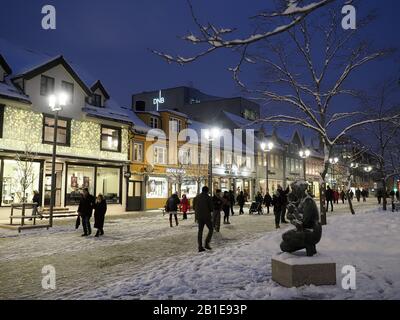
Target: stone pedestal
x=296, y=270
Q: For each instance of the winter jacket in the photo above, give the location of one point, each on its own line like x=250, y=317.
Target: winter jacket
x=185, y=206
x=277, y=202
x=203, y=206
x=86, y=206
x=240, y=200
x=100, y=209
x=267, y=200
x=329, y=195
x=217, y=203
x=37, y=199
x=259, y=198
x=232, y=198
x=172, y=203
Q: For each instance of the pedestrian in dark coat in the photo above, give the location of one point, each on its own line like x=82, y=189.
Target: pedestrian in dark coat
x=259, y=199
x=241, y=201
x=217, y=207
x=226, y=205
x=379, y=194
x=329, y=197
x=85, y=211
x=342, y=196
x=172, y=208
x=364, y=195
x=267, y=201
x=232, y=200
x=203, y=206
x=283, y=200
x=37, y=203
x=277, y=203
x=100, y=209
x=358, y=194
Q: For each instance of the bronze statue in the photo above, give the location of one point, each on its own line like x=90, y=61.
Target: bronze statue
x=303, y=214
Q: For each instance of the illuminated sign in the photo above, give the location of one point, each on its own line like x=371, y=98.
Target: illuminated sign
x=159, y=100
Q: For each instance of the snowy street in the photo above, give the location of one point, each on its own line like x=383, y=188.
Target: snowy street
x=141, y=257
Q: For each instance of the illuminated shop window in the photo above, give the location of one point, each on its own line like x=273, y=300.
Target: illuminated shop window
x=108, y=183
x=157, y=187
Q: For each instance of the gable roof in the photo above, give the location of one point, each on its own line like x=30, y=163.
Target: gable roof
x=99, y=85
x=5, y=65
x=59, y=60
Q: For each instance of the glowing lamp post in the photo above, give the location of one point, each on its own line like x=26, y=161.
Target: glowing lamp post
x=211, y=135
x=304, y=154
x=266, y=147
x=333, y=161
x=56, y=102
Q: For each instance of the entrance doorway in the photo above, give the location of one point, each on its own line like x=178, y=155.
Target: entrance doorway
x=134, y=199
x=47, y=186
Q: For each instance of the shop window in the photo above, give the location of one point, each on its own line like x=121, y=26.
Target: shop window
x=78, y=178
x=157, y=187
x=160, y=155
x=46, y=86
x=13, y=173
x=68, y=88
x=138, y=152
x=110, y=139
x=63, y=130
x=108, y=183
x=189, y=188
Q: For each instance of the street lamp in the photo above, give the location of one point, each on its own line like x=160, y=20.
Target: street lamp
x=56, y=102
x=333, y=161
x=211, y=135
x=266, y=147
x=304, y=154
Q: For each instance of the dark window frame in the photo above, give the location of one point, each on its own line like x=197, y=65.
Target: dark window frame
x=94, y=100
x=70, y=96
x=2, y=109
x=133, y=152
x=42, y=93
x=68, y=129
x=103, y=126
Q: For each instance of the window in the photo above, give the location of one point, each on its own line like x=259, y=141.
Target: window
x=110, y=139
x=138, y=152
x=184, y=156
x=63, y=130
x=96, y=100
x=176, y=123
x=108, y=183
x=160, y=155
x=78, y=178
x=154, y=122
x=68, y=88
x=13, y=173
x=1, y=119
x=46, y=85
x=140, y=105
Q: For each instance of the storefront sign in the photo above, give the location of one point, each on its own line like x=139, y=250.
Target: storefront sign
x=175, y=171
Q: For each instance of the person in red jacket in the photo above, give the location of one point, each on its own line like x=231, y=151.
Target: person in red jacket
x=185, y=206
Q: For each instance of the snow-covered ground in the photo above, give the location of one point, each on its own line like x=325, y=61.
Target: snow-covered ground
x=141, y=257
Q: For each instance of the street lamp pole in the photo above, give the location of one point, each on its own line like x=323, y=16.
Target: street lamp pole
x=304, y=154
x=266, y=147
x=56, y=104
x=211, y=135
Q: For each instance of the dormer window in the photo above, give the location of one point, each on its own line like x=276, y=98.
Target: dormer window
x=154, y=122
x=96, y=100
x=68, y=88
x=46, y=85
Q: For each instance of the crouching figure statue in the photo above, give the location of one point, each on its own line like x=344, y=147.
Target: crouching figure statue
x=303, y=214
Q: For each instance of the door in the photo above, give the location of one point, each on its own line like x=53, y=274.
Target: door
x=134, y=202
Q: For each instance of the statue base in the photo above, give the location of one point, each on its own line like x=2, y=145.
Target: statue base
x=296, y=270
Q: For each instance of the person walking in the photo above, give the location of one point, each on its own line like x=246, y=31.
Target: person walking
x=217, y=207
x=283, y=202
x=277, y=205
x=351, y=194
x=336, y=196
x=203, y=206
x=226, y=205
x=184, y=206
x=379, y=194
x=100, y=209
x=85, y=210
x=358, y=194
x=342, y=196
x=259, y=200
x=267, y=201
x=329, y=197
x=232, y=201
x=241, y=201
x=364, y=195
x=172, y=208
x=398, y=195
x=37, y=203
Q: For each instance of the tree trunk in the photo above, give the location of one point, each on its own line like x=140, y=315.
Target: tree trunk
x=349, y=175
x=322, y=200
x=384, y=198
